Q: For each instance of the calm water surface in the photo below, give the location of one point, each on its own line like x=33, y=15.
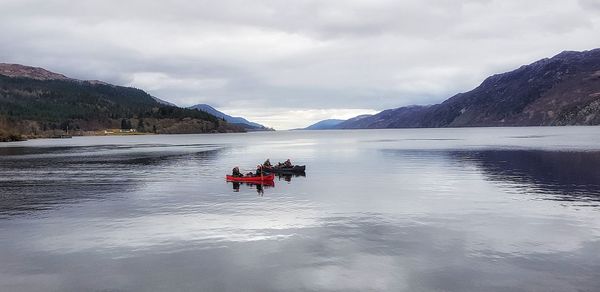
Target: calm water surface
x=503, y=209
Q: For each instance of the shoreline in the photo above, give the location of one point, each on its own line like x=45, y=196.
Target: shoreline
x=24, y=138
x=5, y=139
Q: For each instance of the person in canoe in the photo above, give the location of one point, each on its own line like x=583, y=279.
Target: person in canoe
x=288, y=163
x=236, y=172
x=259, y=170
x=267, y=163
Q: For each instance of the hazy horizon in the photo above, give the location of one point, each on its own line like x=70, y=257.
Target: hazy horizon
x=288, y=65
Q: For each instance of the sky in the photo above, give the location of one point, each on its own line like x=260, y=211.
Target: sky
x=288, y=64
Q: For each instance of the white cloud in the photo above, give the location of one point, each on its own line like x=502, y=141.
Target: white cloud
x=157, y=80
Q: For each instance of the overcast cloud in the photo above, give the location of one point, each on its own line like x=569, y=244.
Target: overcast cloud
x=290, y=63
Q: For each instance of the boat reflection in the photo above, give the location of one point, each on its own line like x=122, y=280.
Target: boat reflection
x=260, y=187
x=288, y=176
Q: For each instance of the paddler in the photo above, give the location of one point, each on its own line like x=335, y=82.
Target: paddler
x=236, y=172
x=267, y=163
x=288, y=163
x=259, y=170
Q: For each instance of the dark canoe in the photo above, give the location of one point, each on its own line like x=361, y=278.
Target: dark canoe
x=282, y=169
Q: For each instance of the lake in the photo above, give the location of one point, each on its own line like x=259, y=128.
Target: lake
x=473, y=209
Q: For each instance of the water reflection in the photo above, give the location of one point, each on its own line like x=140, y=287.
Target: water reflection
x=288, y=176
x=159, y=217
x=564, y=176
x=260, y=187
x=344, y=253
x=549, y=175
x=38, y=179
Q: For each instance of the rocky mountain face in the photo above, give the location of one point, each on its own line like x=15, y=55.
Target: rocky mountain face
x=562, y=90
x=35, y=102
x=17, y=70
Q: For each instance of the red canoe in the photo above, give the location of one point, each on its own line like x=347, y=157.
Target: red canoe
x=258, y=178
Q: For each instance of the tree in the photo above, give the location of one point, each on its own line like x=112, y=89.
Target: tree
x=125, y=124
x=140, y=126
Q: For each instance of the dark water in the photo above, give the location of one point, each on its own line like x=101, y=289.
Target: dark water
x=399, y=210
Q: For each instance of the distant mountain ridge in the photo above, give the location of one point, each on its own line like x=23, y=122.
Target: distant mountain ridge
x=562, y=90
x=233, y=120
x=324, y=124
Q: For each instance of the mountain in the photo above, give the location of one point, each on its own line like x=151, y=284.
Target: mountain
x=324, y=125
x=163, y=102
x=20, y=71
x=233, y=120
x=562, y=90
x=357, y=122
x=35, y=102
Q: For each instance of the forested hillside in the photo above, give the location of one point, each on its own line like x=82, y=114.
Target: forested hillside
x=35, y=107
